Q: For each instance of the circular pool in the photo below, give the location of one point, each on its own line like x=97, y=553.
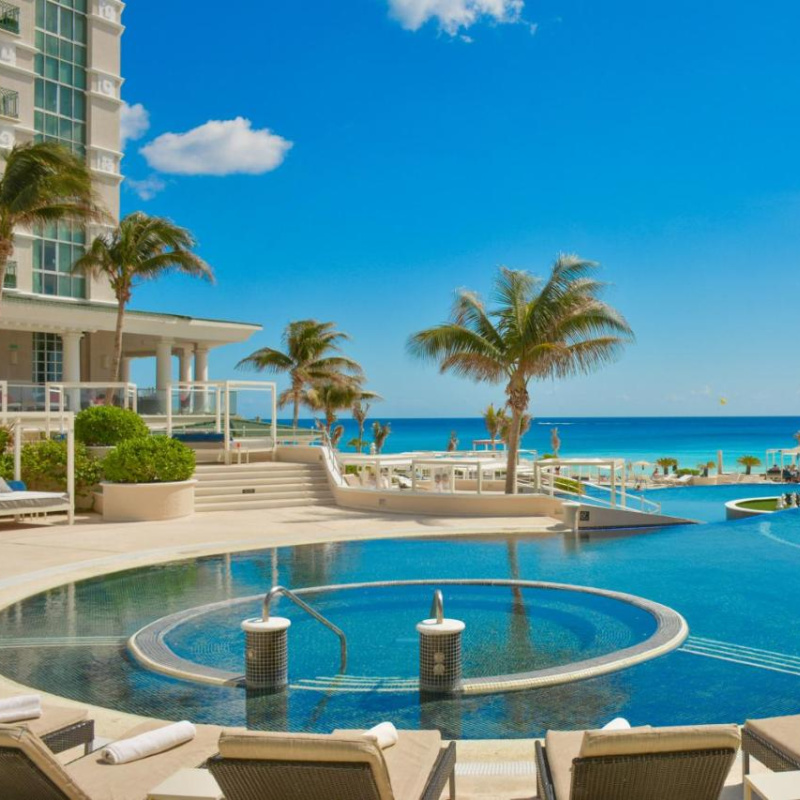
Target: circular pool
x=740, y=659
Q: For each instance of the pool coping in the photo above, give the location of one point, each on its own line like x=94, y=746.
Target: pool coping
x=148, y=646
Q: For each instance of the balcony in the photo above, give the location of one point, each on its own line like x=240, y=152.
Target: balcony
x=9, y=103
x=10, y=281
x=9, y=18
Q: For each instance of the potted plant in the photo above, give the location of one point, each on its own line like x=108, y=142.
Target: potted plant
x=101, y=428
x=148, y=478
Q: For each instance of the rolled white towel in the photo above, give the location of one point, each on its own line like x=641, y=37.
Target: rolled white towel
x=384, y=735
x=20, y=708
x=617, y=724
x=148, y=744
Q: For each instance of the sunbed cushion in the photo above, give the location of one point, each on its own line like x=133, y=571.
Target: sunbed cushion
x=134, y=780
x=562, y=748
x=54, y=718
x=19, y=737
x=783, y=732
x=659, y=740
x=409, y=762
x=268, y=746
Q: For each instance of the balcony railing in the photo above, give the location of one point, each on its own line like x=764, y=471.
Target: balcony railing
x=9, y=103
x=9, y=17
x=10, y=281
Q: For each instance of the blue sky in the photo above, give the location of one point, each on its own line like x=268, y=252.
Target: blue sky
x=433, y=140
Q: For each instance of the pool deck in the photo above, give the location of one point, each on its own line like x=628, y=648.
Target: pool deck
x=36, y=557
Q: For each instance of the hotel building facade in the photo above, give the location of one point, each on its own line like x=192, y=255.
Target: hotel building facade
x=60, y=80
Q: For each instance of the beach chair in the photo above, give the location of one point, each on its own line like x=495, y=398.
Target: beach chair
x=690, y=763
x=340, y=766
x=774, y=741
x=30, y=771
x=61, y=728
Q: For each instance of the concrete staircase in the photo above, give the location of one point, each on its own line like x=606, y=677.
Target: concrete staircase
x=262, y=485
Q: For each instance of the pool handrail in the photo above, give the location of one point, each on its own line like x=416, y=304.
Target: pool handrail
x=278, y=591
x=437, y=607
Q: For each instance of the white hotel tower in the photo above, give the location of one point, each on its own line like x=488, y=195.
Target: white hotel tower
x=60, y=81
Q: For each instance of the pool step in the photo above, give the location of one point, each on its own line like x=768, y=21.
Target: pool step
x=347, y=683
x=769, y=660
x=244, y=487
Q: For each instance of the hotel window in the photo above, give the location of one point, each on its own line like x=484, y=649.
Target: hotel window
x=47, y=357
x=60, y=116
x=10, y=280
x=55, y=249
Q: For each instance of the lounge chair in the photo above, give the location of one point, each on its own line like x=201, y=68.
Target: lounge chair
x=30, y=771
x=774, y=741
x=690, y=763
x=62, y=728
x=341, y=766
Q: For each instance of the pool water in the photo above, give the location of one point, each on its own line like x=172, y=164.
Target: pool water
x=508, y=630
x=736, y=584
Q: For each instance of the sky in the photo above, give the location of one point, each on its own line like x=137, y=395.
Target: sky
x=360, y=160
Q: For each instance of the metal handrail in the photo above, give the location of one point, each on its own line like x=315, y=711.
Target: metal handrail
x=437, y=606
x=277, y=591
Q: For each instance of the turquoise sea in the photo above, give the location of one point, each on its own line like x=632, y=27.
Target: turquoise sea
x=689, y=439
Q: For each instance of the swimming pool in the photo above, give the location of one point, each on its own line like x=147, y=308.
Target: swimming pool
x=735, y=583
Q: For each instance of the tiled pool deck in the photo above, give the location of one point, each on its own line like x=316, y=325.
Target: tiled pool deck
x=38, y=557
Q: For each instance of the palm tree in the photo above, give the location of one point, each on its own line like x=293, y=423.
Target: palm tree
x=311, y=354
x=748, y=462
x=380, y=433
x=43, y=182
x=538, y=329
x=555, y=441
x=492, y=418
x=452, y=444
x=665, y=463
x=140, y=249
x=331, y=396
x=359, y=411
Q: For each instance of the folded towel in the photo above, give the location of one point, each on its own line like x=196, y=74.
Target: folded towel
x=384, y=735
x=617, y=724
x=21, y=707
x=148, y=744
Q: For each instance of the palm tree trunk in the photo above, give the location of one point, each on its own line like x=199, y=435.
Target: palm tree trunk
x=116, y=367
x=513, y=450
x=296, y=415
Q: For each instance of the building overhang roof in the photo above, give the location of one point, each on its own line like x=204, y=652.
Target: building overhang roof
x=35, y=313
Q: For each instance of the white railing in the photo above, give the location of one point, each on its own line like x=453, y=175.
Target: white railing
x=37, y=421
x=78, y=395
x=558, y=485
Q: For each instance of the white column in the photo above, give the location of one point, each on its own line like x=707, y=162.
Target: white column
x=185, y=357
x=163, y=373
x=201, y=375
x=125, y=372
x=71, y=372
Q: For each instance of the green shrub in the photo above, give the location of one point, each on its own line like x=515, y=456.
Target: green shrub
x=44, y=467
x=106, y=426
x=681, y=472
x=568, y=485
x=149, y=459
x=6, y=438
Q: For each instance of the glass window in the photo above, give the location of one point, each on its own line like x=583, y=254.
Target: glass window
x=39, y=15
x=67, y=50
x=51, y=46
x=39, y=97
x=51, y=97
x=65, y=106
x=48, y=357
x=49, y=256
x=66, y=28
x=65, y=72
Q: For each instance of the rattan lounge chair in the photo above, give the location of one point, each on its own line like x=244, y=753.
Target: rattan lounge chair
x=690, y=763
x=30, y=771
x=62, y=728
x=342, y=766
x=774, y=741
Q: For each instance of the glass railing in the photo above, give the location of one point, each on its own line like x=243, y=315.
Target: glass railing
x=9, y=17
x=9, y=103
x=10, y=280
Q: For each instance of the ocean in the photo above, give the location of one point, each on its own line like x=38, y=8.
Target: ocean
x=691, y=440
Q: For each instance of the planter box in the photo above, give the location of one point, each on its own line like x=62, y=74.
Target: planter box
x=147, y=502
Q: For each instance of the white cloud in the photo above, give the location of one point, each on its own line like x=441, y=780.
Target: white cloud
x=134, y=122
x=147, y=188
x=454, y=15
x=217, y=148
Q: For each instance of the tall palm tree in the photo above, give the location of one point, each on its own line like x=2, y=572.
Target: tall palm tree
x=538, y=329
x=748, y=462
x=311, y=354
x=360, y=411
x=141, y=248
x=42, y=182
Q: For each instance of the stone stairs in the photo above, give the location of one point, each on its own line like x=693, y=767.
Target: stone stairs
x=270, y=484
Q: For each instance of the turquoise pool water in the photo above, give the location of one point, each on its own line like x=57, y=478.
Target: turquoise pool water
x=735, y=583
